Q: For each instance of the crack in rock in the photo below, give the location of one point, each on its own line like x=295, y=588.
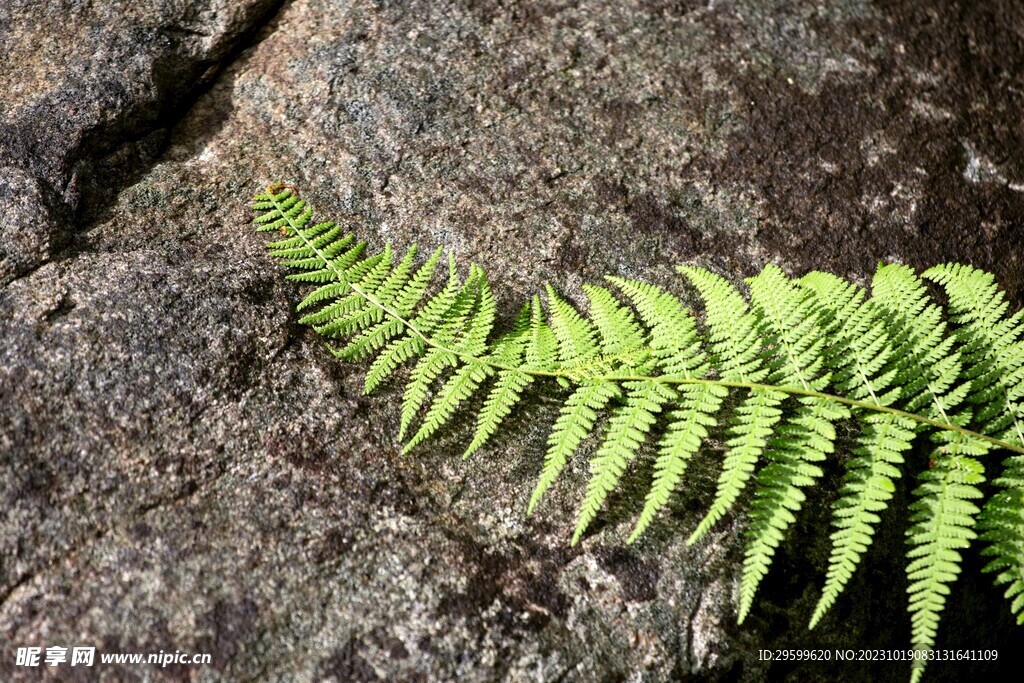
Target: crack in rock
x=147, y=63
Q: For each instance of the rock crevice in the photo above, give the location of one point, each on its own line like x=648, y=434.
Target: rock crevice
x=119, y=77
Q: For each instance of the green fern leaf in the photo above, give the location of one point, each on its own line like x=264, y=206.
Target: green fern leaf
x=417, y=390
x=575, y=334
x=574, y=424
x=943, y=519
x=737, y=355
x=689, y=427
x=790, y=321
x=460, y=331
x=507, y=392
x=1003, y=523
x=676, y=344
x=929, y=366
x=801, y=358
x=617, y=328
x=993, y=356
x=457, y=389
x=674, y=340
x=481, y=322
x=414, y=342
x=331, y=290
x=394, y=354
x=859, y=360
x=382, y=302
x=627, y=430
x=412, y=294
x=542, y=350
x=510, y=384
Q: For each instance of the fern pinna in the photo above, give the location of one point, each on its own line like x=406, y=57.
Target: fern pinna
x=796, y=356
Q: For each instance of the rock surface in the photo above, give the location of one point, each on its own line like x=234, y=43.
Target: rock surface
x=183, y=467
x=85, y=85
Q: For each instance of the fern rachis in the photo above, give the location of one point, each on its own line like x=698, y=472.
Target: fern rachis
x=799, y=356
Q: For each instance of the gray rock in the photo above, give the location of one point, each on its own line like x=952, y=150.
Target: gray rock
x=84, y=83
x=32, y=223
x=184, y=468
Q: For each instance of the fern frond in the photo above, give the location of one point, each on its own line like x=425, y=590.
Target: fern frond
x=412, y=293
x=340, y=308
x=507, y=392
x=929, y=366
x=481, y=321
x=801, y=443
x=736, y=347
x=370, y=341
x=417, y=390
x=542, y=349
x=331, y=290
x=384, y=327
x=466, y=334
x=448, y=330
x=295, y=247
x=943, y=518
x=677, y=346
x=800, y=356
x=393, y=355
x=674, y=340
x=367, y=275
x=617, y=328
x=414, y=343
x=866, y=490
x=457, y=389
x=688, y=428
x=790, y=322
x=992, y=350
x=1002, y=519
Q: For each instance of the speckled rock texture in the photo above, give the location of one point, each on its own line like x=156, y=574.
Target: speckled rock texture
x=183, y=467
x=84, y=85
